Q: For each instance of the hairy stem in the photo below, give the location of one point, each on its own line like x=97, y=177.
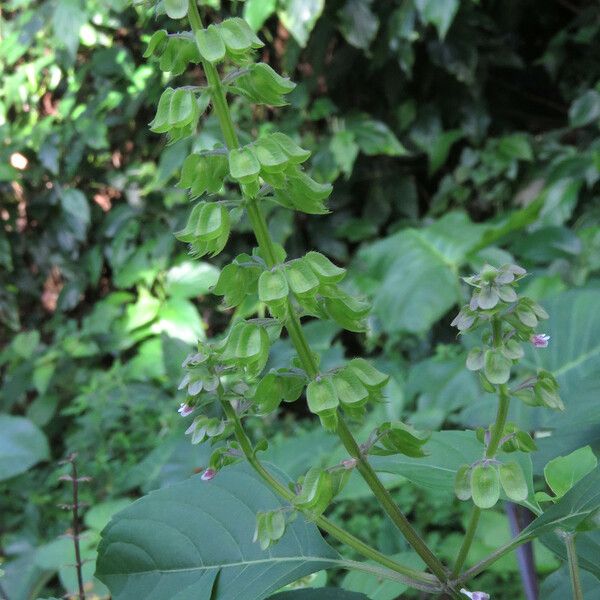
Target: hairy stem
x=413, y=576
x=569, y=540
x=294, y=329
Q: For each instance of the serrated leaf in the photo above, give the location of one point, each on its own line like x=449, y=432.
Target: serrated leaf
x=154, y=549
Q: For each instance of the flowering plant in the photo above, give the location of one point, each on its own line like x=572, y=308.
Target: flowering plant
x=243, y=528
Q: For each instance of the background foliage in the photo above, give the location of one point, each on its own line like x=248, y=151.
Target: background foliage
x=455, y=133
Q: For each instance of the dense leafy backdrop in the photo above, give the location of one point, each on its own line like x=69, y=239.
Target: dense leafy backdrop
x=455, y=133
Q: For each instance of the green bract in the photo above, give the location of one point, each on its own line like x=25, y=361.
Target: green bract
x=262, y=85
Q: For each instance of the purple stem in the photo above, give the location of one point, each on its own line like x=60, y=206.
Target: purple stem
x=519, y=518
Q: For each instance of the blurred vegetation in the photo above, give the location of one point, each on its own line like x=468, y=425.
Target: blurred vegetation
x=455, y=132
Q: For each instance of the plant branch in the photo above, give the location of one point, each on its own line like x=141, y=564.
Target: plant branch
x=74, y=479
x=467, y=541
x=492, y=449
x=412, y=577
x=294, y=329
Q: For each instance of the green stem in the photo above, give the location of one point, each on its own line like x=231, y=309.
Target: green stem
x=492, y=449
x=294, y=328
x=324, y=523
x=569, y=540
x=492, y=558
x=467, y=541
x=500, y=423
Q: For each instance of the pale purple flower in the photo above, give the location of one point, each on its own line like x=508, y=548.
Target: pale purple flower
x=185, y=409
x=349, y=463
x=208, y=474
x=475, y=595
x=540, y=340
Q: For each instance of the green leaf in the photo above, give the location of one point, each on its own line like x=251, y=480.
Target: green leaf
x=412, y=274
x=256, y=12
x=295, y=153
x=557, y=586
x=155, y=547
x=190, y=279
x=439, y=14
x=77, y=209
x=22, y=445
x=176, y=9
x=570, y=513
x=179, y=319
x=374, y=137
x=300, y=16
x=563, y=472
x=585, y=110
x=210, y=44
x=319, y=594
x=358, y=23
x=377, y=588
x=485, y=485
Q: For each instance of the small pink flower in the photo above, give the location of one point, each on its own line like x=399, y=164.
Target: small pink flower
x=540, y=340
x=208, y=474
x=475, y=595
x=185, y=409
x=349, y=463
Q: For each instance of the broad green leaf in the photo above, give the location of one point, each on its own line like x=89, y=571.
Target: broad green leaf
x=300, y=16
x=143, y=311
x=586, y=109
x=570, y=513
x=439, y=14
x=22, y=445
x=77, y=209
x=563, y=472
x=376, y=588
x=319, y=594
x=190, y=279
x=558, y=585
x=374, y=137
x=358, y=23
x=256, y=12
x=587, y=545
x=180, y=319
x=412, y=274
x=156, y=549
